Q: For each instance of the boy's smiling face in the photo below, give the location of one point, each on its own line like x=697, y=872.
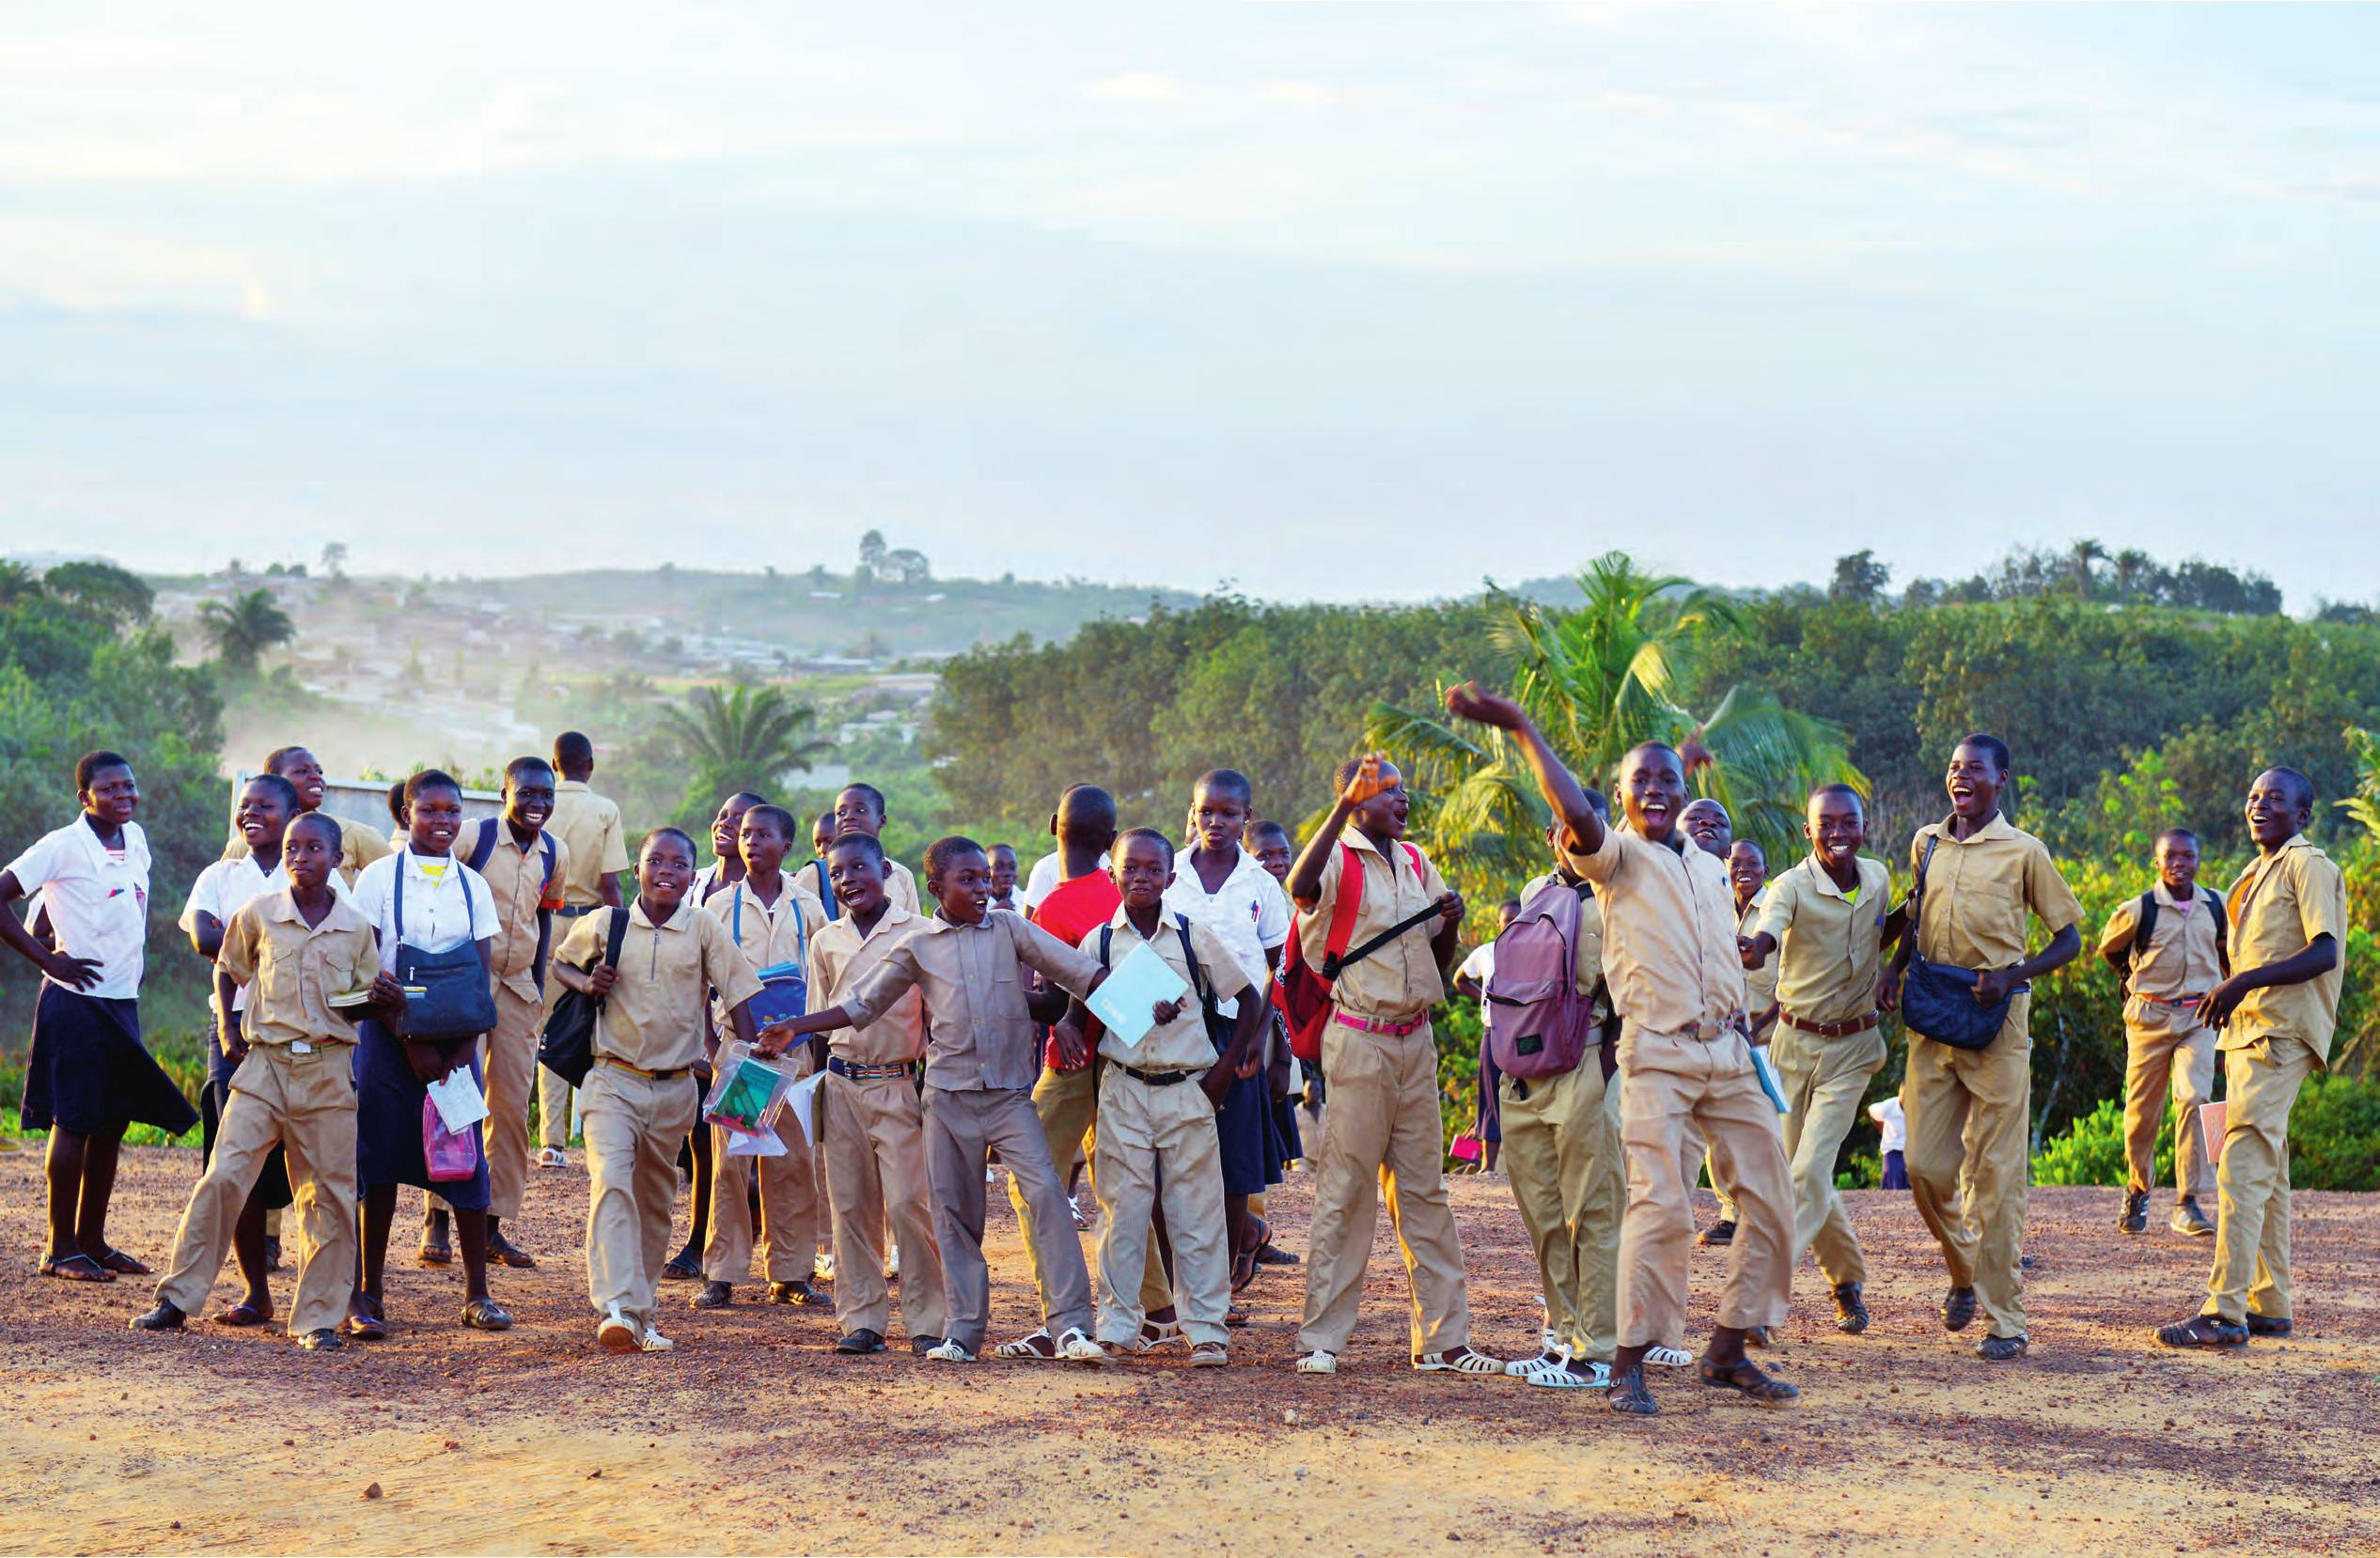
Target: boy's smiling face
x=1652, y=792
x=1706, y=823
x=1274, y=853
x=727, y=827
x=963, y=887
x=2178, y=866
x=855, y=813
x=858, y=877
x=1837, y=826
x=264, y=817
x=2276, y=809
x=528, y=799
x=763, y=844
x=1143, y=871
x=665, y=870
x=1383, y=816
x=1975, y=781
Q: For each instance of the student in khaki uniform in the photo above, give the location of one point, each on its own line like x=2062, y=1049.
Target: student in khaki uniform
x=522, y=865
x=1821, y=932
x=2165, y=975
x=770, y=917
x=1747, y=875
x=1157, y=1101
x=2287, y=912
x=587, y=825
x=1970, y=1111
x=860, y=809
x=297, y=950
x=640, y=1098
x=870, y=1123
x=1384, y=1129
x=360, y=843
x=980, y=1061
x=1562, y=1151
x=1676, y=974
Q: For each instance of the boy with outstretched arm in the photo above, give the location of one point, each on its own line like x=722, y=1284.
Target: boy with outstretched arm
x=1382, y=1059
x=2168, y=947
x=640, y=1098
x=771, y=918
x=1970, y=1111
x=1822, y=928
x=869, y=1120
x=302, y=952
x=1157, y=1101
x=980, y=1062
x=1675, y=971
x=2288, y=911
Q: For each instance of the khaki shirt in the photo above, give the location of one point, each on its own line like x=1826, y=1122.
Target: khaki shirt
x=901, y=887
x=1760, y=984
x=293, y=969
x=653, y=1017
x=979, y=1035
x=1183, y=1044
x=588, y=826
x=772, y=935
x=2182, y=958
x=1828, y=957
x=515, y=875
x=2278, y=906
x=841, y=958
x=1587, y=962
x=1669, y=933
x=1401, y=981
x=1978, y=890
x=359, y=845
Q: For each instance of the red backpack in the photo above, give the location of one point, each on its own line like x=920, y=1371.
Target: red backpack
x=1542, y=1020
x=1303, y=993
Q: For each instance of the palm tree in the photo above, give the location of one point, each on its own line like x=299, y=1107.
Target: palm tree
x=2087, y=551
x=2131, y=565
x=1599, y=681
x=244, y=627
x=748, y=737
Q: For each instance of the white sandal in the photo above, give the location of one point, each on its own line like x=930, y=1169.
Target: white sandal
x=1154, y=1334
x=1467, y=1359
x=1076, y=1346
x=1317, y=1362
x=1597, y=1378
x=1668, y=1357
x=1021, y=1350
x=1522, y=1368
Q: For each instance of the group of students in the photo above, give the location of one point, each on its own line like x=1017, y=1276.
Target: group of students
x=1686, y=1008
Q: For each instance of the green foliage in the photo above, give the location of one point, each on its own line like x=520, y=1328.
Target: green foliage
x=2091, y=1150
x=744, y=738
x=2363, y=808
x=2334, y=1134
x=103, y=587
x=244, y=628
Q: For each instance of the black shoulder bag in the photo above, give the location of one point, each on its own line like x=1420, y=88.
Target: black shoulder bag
x=457, y=999
x=567, y=1047
x=1938, y=1000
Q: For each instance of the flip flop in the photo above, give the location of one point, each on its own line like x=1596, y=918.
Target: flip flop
x=1242, y=1268
x=77, y=1267
x=123, y=1264
x=243, y=1314
x=368, y=1326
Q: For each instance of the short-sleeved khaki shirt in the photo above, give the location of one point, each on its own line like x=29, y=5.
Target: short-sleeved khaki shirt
x=841, y=958
x=770, y=934
x=654, y=1017
x=1828, y=957
x=1760, y=984
x=2181, y=960
x=589, y=825
x=1401, y=981
x=1978, y=891
x=2280, y=903
x=978, y=1034
x=293, y=969
x=515, y=875
x=1587, y=965
x=1182, y=1044
x=1670, y=952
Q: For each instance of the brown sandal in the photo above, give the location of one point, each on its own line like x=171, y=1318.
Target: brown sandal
x=1748, y=1377
x=243, y=1314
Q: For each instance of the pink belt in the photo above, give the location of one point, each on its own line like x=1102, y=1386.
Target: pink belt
x=1367, y=1026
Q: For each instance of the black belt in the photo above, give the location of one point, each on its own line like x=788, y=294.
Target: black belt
x=853, y=1071
x=1155, y=1078
x=571, y=912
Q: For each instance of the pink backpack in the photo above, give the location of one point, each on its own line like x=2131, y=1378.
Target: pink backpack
x=1542, y=1020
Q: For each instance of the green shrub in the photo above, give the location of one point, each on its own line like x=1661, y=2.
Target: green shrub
x=2090, y=1152
x=2334, y=1134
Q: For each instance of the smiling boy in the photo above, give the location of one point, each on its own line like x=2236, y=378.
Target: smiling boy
x=360, y=844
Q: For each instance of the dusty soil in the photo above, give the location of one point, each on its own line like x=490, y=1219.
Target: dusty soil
x=755, y=1438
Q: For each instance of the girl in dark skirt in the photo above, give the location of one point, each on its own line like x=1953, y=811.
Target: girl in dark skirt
x=446, y=905
x=89, y=1077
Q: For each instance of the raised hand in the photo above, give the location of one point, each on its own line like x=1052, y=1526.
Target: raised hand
x=1375, y=774
x=1469, y=701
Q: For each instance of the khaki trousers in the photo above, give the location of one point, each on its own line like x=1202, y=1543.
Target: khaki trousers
x=552, y=1111
x=1825, y=1080
x=1969, y=1113
x=633, y=1125
x=1067, y=1103
x=306, y=1104
x=1153, y=1142
x=2251, y=1236
x=1674, y=1079
x=787, y=1234
x=961, y=1128
x=1383, y=1134
x=1694, y=1156
x=875, y=1139
x=509, y=1056
x=1562, y=1149
x=2169, y=1046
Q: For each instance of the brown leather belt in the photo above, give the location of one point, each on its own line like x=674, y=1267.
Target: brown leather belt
x=1830, y=1030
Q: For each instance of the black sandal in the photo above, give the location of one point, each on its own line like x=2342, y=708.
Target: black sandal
x=123, y=1264
x=1630, y=1397
x=77, y=1267
x=485, y=1315
x=1755, y=1383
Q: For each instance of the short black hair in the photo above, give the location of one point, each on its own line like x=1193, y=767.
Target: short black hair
x=2178, y=832
x=430, y=779
x=1342, y=774
x=2001, y=758
x=995, y=849
x=754, y=796
x=943, y=850
x=1263, y=826
x=528, y=764
x=1597, y=801
x=875, y=797
x=866, y=844
x=778, y=815
x=1229, y=780
x=279, y=755
x=86, y=767
x=571, y=749
x=2305, y=785
x=1512, y=904
x=278, y=786
x=320, y=819
x=678, y=834
x=1086, y=808
x=1840, y=790
x=1130, y=834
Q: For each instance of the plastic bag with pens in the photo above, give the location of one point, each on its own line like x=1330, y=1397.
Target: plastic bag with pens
x=748, y=1097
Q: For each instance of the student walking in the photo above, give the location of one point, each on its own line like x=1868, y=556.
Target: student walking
x=587, y=826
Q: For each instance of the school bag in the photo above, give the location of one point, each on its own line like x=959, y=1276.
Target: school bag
x=477, y=861
x=1219, y=1028
x=454, y=1000
x=2148, y=922
x=784, y=987
x=1544, y=1020
x=567, y=1047
x=1937, y=999
x=1303, y=991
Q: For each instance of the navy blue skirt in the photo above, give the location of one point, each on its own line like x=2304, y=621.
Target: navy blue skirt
x=89, y=1071
x=1250, y=1141
x=388, y=1100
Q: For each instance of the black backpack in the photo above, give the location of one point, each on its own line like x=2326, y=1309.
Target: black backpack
x=477, y=861
x=567, y=1047
x=2148, y=922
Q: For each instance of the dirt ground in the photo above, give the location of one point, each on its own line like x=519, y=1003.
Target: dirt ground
x=755, y=1438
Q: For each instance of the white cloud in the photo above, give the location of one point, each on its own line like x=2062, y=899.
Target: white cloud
x=1301, y=94
x=1140, y=86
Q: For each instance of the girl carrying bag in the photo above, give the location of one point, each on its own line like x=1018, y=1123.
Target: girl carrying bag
x=449, y=995
x=1937, y=999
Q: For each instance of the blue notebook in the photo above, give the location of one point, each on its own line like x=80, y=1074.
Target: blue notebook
x=784, y=995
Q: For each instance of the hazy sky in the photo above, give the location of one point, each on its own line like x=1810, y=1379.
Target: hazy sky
x=1333, y=299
